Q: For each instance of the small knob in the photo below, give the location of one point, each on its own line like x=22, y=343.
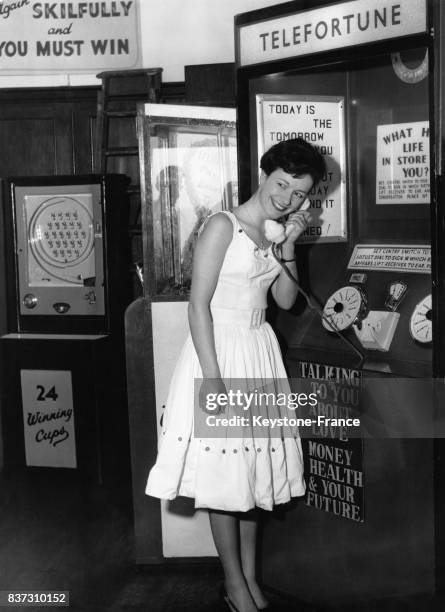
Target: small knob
x=90, y=297
x=30, y=300
x=61, y=307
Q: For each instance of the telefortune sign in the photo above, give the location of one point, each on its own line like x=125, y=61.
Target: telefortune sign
x=45, y=37
x=333, y=460
x=329, y=27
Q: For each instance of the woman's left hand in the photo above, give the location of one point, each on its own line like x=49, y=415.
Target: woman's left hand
x=295, y=225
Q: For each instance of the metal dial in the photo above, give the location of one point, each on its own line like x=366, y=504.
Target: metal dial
x=343, y=308
x=61, y=238
x=421, y=325
x=61, y=232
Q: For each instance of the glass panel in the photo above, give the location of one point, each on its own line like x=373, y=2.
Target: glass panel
x=60, y=239
x=387, y=123
x=390, y=109
x=193, y=174
x=387, y=174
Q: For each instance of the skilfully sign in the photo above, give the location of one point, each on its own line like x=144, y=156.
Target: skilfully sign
x=77, y=36
x=329, y=27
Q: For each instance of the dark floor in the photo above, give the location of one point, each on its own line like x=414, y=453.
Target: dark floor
x=59, y=533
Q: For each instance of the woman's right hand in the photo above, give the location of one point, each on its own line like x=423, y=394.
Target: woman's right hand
x=295, y=225
x=209, y=391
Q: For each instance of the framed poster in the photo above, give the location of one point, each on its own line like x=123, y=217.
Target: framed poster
x=403, y=163
x=320, y=121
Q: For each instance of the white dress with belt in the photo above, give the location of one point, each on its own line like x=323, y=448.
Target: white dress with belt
x=232, y=472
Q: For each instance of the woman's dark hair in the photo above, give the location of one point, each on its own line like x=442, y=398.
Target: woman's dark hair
x=296, y=157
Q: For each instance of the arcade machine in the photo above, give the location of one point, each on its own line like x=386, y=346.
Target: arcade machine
x=188, y=171
x=63, y=372
x=361, y=81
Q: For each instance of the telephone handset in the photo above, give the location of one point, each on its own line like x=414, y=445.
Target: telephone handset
x=277, y=231
x=306, y=205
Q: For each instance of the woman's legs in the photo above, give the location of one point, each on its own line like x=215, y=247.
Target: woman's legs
x=248, y=539
x=226, y=534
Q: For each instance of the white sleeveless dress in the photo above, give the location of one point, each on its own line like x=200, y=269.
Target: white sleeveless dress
x=231, y=473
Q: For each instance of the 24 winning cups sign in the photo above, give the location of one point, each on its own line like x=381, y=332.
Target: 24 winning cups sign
x=48, y=418
x=320, y=121
x=68, y=36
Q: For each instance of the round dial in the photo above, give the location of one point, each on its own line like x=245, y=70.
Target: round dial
x=61, y=237
x=61, y=232
x=420, y=325
x=345, y=306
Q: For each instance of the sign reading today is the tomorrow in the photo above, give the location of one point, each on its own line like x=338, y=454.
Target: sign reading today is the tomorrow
x=68, y=36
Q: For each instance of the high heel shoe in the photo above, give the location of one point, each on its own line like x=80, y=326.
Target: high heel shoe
x=226, y=599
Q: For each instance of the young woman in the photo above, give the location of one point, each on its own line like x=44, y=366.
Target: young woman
x=233, y=269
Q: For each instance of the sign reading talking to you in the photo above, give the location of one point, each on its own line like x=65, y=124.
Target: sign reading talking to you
x=68, y=36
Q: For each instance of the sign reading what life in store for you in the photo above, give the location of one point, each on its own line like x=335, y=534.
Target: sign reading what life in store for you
x=333, y=458
x=39, y=37
x=48, y=418
x=320, y=121
x=403, y=163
